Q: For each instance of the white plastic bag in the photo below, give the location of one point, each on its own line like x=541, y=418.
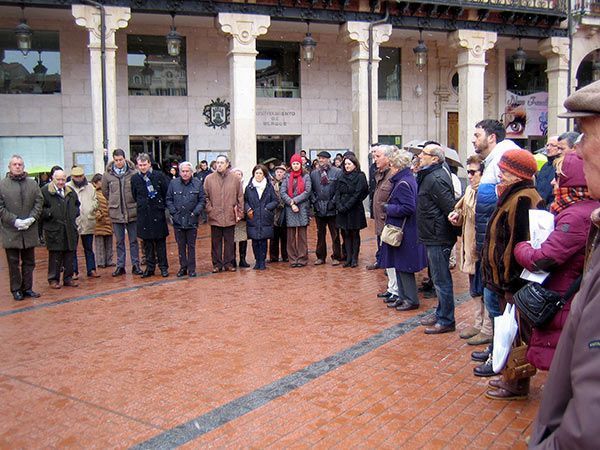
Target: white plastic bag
x=505, y=330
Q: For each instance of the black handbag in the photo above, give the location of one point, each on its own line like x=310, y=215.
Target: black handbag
x=539, y=305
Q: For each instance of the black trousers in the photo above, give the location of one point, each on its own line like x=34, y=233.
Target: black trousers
x=259, y=248
x=324, y=223
x=222, y=246
x=21, y=263
x=56, y=261
x=156, y=249
x=186, y=246
x=279, y=241
x=352, y=244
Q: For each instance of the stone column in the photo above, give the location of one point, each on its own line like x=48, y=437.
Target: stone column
x=89, y=17
x=556, y=52
x=471, y=46
x=356, y=34
x=243, y=30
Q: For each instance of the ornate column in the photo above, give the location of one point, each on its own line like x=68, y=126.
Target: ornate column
x=89, y=17
x=471, y=46
x=243, y=30
x=356, y=34
x=556, y=52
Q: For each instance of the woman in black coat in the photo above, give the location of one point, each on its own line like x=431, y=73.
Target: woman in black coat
x=352, y=188
x=260, y=202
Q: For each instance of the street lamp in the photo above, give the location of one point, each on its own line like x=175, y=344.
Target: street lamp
x=421, y=52
x=23, y=34
x=519, y=59
x=308, y=46
x=174, y=39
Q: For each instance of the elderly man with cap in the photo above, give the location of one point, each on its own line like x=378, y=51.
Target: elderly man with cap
x=279, y=239
x=20, y=206
x=86, y=222
x=324, y=180
x=570, y=404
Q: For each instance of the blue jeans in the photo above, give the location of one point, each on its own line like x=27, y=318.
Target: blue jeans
x=492, y=303
x=439, y=261
x=475, y=281
x=134, y=252
x=87, y=241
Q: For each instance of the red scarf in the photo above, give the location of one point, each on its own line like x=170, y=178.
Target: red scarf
x=567, y=196
x=296, y=176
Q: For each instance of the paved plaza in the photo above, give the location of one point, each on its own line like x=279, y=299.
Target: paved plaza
x=277, y=358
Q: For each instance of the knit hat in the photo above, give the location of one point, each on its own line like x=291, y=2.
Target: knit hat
x=295, y=158
x=520, y=163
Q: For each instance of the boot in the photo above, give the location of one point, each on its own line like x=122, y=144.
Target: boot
x=243, y=249
x=515, y=390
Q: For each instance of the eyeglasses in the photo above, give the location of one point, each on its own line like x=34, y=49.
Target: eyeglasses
x=472, y=172
x=423, y=152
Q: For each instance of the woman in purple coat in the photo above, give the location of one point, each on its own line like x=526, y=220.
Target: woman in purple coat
x=562, y=254
x=401, y=208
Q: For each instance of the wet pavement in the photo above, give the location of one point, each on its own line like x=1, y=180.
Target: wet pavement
x=285, y=357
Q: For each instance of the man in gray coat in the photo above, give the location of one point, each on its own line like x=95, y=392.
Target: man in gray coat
x=324, y=179
x=20, y=206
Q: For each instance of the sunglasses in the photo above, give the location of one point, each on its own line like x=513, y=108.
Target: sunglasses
x=472, y=172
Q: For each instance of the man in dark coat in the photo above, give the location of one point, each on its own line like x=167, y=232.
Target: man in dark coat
x=435, y=202
x=20, y=206
x=149, y=190
x=545, y=177
x=324, y=180
x=185, y=201
x=202, y=171
x=60, y=210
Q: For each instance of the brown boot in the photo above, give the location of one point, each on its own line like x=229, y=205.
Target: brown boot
x=518, y=390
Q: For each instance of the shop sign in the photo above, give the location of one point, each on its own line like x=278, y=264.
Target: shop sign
x=526, y=115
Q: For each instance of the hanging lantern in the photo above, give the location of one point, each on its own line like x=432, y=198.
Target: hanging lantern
x=40, y=70
x=308, y=47
x=420, y=52
x=519, y=59
x=174, y=39
x=23, y=34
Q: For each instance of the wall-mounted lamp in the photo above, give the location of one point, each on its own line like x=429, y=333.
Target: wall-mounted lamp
x=421, y=52
x=308, y=46
x=418, y=90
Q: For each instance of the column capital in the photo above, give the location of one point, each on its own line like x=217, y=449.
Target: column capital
x=556, y=51
x=358, y=32
x=475, y=42
x=89, y=17
x=244, y=29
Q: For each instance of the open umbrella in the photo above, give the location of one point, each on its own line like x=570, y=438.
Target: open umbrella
x=37, y=169
x=452, y=157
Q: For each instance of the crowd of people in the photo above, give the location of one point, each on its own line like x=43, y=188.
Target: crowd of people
x=416, y=214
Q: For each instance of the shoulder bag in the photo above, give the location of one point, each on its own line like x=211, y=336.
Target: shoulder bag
x=392, y=235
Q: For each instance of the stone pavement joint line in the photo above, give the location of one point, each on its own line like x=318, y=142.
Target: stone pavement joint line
x=234, y=409
x=79, y=400
x=96, y=295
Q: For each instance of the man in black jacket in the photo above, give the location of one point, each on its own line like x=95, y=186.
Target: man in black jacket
x=435, y=202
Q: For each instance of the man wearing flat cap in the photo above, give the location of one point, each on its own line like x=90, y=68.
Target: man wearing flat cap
x=324, y=179
x=570, y=407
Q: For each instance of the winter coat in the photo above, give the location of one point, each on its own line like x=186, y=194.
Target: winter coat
x=224, y=195
x=301, y=218
x=570, y=406
x=279, y=213
x=88, y=204
x=185, y=202
x=401, y=210
x=465, y=208
x=562, y=254
x=151, y=217
x=321, y=196
x=261, y=224
x=103, y=222
x=435, y=202
x=19, y=199
x=544, y=179
x=352, y=189
x=383, y=188
x=117, y=190
x=508, y=226
x=59, y=215
x=202, y=175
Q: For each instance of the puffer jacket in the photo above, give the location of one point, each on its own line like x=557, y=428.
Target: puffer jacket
x=19, y=199
x=185, y=202
x=117, y=190
x=88, y=204
x=260, y=226
x=301, y=218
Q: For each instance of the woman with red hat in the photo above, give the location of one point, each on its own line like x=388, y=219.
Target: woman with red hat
x=295, y=193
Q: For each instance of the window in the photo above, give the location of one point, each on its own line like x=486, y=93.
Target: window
x=38, y=72
x=85, y=160
x=389, y=74
x=39, y=153
x=278, y=69
x=533, y=79
x=150, y=69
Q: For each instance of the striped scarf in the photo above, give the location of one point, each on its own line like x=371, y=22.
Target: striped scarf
x=567, y=196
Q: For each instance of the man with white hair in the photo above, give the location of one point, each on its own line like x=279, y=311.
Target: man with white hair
x=544, y=178
x=20, y=206
x=185, y=201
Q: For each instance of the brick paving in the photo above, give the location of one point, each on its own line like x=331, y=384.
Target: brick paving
x=278, y=358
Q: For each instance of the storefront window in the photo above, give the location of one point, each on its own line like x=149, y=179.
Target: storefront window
x=277, y=69
x=38, y=72
x=151, y=70
x=389, y=74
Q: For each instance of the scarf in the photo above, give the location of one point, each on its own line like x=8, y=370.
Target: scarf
x=324, y=176
x=259, y=186
x=121, y=171
x=501, y=188
x=567, y=196
x=151, y=191
x=21, y=177
x=80, y=184
x=296, y=177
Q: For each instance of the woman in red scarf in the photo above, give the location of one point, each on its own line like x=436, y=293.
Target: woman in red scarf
x=295, y=193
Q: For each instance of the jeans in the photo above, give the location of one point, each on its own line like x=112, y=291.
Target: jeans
x=87, y=241
x=439, y=260
x=134, y=252
x=492, y=303
x=475, y=281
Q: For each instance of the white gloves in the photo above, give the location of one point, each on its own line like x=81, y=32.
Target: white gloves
x=24, y=224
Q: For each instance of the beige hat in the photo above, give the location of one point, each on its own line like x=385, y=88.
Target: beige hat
x=583, y=103
x=77, y=171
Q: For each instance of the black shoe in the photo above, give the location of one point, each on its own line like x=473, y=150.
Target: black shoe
x=353, y=264
x=386, y=294
x=192, y=274
x=18, y=295
x=31, y=293
x=147, y=273
x=347, y=264
x=405, y=306
x=164, y=273
x=391, y=299
x=395, y=303
x=243, y=264
x=182, y=273
x=119, y=271
x=485, y=369
x=136, y=270
x=482, y=356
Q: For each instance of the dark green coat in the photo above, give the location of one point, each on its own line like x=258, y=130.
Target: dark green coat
x=58, y=215
x=19, y=200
